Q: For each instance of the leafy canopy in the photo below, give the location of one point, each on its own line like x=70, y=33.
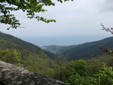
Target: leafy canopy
x=30, y=7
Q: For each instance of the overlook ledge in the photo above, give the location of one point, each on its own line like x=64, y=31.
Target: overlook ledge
x=14, y=75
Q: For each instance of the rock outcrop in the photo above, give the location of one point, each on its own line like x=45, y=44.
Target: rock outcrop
x=13, y=75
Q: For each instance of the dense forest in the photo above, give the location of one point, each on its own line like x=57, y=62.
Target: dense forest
x=90, y=71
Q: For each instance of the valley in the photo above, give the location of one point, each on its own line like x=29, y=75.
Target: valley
x=81, y=51
x=85, y=62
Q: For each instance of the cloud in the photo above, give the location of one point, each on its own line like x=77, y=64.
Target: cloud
x=80, y=17
x=108, y=6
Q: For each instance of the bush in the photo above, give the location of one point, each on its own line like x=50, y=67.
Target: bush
x=10, y=56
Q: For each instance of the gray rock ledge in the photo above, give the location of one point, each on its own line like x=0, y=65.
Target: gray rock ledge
x=14, y=75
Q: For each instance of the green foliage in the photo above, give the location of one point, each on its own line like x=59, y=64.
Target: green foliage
x=77, y=67
x=33, y=63
x=94, y=64
x=81, y=80
x=39, y=64
x=30, y=7
x=96, y=71
x=105, y=75
x=60, y=68
x=66, y=70
x=10, y=56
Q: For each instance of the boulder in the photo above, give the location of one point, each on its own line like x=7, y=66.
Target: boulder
x=14, y=75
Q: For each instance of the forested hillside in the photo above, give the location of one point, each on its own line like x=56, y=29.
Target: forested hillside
x=16, y=51
x=86, y=50
x=10, y=42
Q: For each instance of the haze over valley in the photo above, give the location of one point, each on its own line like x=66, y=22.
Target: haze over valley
x=62, y=40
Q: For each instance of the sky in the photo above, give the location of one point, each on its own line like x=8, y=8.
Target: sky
x=77, y=22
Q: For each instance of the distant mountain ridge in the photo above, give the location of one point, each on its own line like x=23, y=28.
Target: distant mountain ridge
x=86, y=50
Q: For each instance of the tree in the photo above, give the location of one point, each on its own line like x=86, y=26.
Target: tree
x=77, y=67
x=60, y=68
x=105, y=75
x=31, y=7
x=106, y=50
x=10, y=56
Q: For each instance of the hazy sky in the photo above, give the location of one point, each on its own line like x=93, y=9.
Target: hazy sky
x=78, y=21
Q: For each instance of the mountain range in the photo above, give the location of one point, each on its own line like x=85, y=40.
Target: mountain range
x=85, y=50
x=72, y=52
